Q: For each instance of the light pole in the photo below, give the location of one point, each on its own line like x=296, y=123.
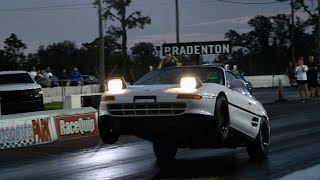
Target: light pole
x=292, y=31
x=318, y=30
x=177, y=21
x=101, y=49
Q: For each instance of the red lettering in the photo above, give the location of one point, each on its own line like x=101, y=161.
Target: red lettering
x=46, y=137
x=41, y=130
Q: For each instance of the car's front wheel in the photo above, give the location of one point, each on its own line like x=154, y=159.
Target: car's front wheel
x=222, y=119
x=258, y=149
x=164, y=152
x=107, y=135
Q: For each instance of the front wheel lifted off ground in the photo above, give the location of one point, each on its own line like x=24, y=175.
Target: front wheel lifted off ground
x=259, y=148
x=222, y=119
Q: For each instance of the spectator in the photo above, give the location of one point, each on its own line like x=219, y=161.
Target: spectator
x=290, y=72
x=75, y=76
x=312, y=76
x=235, y=69
x=226, y=67
x=47, y=75
x=301, y=71
x=64, y=78
x=33, y=72
x=150, y=68
x=38, y=77
x=168, y=61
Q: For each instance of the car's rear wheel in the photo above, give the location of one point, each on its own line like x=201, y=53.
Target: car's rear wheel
x=107, y=135
x=164, y=152
x=259, y=149
x=222, y=119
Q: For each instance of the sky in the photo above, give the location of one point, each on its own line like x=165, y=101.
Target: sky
x=77, y=20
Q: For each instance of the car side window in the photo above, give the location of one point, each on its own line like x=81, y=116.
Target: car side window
x=230, y=78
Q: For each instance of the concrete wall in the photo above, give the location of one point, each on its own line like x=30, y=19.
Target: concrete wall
x=58, y=94
x=268, y=80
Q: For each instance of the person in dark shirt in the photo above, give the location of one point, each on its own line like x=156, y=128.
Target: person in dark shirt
x=168, y=61
x=312, y=76
x=64, y=78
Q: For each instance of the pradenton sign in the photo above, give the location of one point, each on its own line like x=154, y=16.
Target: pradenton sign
x=197, y=48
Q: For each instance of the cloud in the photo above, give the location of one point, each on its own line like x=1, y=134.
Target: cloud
x=237, y=20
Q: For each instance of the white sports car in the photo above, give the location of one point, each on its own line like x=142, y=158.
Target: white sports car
x=185, y=107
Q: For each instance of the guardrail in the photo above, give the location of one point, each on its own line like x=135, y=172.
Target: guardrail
x=36, y=128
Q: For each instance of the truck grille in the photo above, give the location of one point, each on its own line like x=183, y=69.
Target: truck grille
x=19, y=95
x=147, y=109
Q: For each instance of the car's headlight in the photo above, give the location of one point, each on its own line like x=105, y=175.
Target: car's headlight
x=188, y=83
x=39, y=91
x=115, y=85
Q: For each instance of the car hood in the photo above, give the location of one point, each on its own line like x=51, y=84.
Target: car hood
x=163, y=92
x=20, y=86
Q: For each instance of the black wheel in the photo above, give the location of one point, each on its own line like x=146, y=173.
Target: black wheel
x=107, y=135
x=164, y=152
x=222, y=119
x=258, y=149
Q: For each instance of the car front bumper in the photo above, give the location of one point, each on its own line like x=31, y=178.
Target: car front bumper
x=185, y=130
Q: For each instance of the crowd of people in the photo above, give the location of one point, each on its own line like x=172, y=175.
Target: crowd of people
x=46, y=78
x=305, y=75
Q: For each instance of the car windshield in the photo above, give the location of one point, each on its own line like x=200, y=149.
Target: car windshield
x=239, y=76
x=174, y=74
x=15, y=78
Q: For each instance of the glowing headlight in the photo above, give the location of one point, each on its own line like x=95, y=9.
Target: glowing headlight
x=115, y=85
x=188, y=83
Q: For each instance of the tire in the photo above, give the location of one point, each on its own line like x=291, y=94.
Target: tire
x=222, y=119
x=164, y=152
x=107, y=135
x=259, y=148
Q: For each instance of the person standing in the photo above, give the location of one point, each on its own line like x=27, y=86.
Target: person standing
x=226, y=67
x=235, y=69
x=168, y=61
x=301, y=71
x=312, y=76
x=64, y=78
x=33, y=72
x=291, y=73
x=75, y=76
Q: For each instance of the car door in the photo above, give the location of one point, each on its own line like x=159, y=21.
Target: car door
x=240, y=106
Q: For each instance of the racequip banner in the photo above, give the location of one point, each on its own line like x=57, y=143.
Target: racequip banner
x=76, y=126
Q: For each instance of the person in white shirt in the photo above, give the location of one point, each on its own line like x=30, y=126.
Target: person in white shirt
x=301, y=71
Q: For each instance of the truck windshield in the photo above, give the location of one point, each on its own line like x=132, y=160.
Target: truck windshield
x=15, y=78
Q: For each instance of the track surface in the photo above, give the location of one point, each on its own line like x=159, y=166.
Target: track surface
x=295, y=145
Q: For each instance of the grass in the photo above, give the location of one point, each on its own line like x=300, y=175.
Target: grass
x=53, y=106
